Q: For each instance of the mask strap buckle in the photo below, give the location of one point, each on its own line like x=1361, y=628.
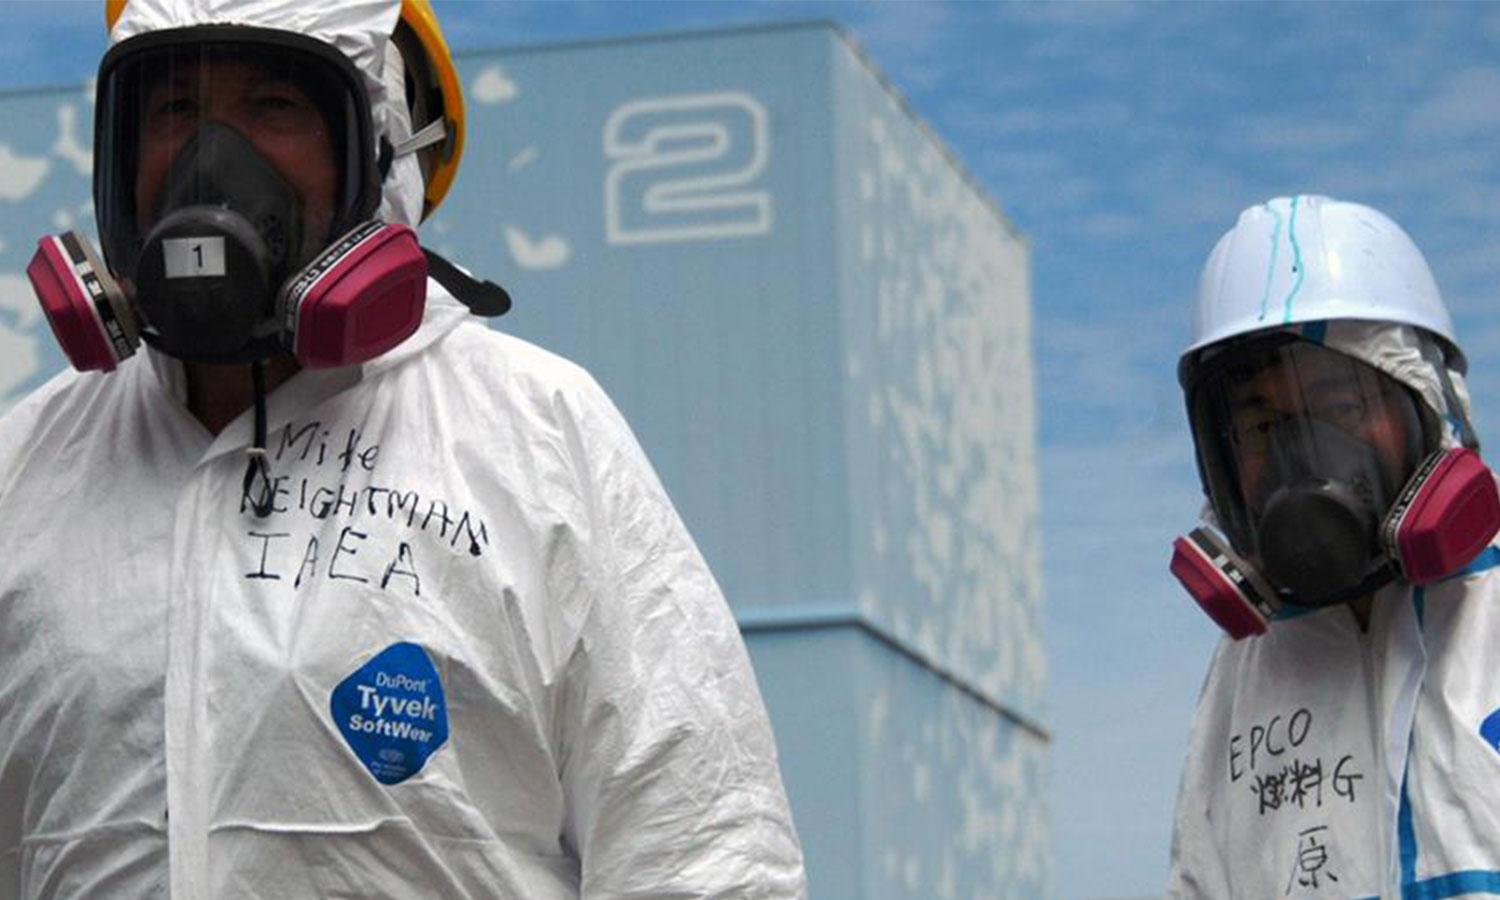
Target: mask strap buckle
x=432, y=133
x=258, y=460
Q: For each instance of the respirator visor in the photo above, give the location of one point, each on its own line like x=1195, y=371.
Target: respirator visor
x=1303, y=450
x=295, y=103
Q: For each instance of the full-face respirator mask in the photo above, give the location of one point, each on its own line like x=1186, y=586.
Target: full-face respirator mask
x=236, y=182
x=1327, y=480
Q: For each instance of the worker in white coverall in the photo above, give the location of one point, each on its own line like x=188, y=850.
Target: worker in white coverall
x=332, y=591
x=1347, y=740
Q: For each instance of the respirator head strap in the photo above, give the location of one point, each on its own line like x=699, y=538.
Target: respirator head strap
x=483, y=298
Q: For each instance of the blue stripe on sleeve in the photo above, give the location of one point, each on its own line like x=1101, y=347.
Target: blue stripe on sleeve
x=1454, y=884
x=1406, y=836
x=1406, y=832
x=1488, y=558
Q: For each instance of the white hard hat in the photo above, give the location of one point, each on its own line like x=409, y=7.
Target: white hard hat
x=1308, y=259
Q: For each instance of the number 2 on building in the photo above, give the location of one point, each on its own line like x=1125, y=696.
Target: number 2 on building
x=684, y=167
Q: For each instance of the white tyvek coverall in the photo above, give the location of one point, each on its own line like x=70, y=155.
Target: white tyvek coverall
x=1327, y=761
x=1320, y=752
x=163, y=650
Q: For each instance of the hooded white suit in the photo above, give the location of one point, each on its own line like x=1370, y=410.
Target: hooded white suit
x=1330, y=761
x=472, y=653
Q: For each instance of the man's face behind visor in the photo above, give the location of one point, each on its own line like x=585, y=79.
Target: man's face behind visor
x=1308, y=384
x=269, y=124
x=269, y=102
x=1279, y=418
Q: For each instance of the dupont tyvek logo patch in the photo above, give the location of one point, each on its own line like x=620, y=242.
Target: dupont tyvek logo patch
x=1489, y=729
x=392, y=712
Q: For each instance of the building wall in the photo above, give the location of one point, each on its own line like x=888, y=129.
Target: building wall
x=941, y=436
x=717, y=328
x=820, y=330
x=935, y=287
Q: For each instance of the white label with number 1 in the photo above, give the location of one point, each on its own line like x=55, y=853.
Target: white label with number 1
x=197, y=257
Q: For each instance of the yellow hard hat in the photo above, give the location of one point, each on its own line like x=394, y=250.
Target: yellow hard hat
x=433, y=85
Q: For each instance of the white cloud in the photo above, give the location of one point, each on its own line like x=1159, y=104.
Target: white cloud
x=1001, y=77
x=494, y=86
x=1073, y=15
x=18, y=342
x=17, y=298
x=1127, y=646
x=1425, y=169
x=1183, y=189
x=549, y=252
x=1482, y=344
x=1467, y=103
x=67, y=146
x=1480, y=203
x=1111, y=225
x=1476, y=260
x=20, y=175
x=1282, y=133
x=1099, y=115
x=523, y=158
x=18, y=363
x=1062, y=193
x=1019, y=162
x=1107, y=368
x=905, y=39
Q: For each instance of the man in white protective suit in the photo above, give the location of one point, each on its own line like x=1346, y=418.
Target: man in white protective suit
x=1347, y=740
x=332, y=591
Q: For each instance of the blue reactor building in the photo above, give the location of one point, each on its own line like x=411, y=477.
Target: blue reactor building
x=819, y=327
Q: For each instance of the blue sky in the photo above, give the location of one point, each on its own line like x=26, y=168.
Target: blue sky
x=1122, y=139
